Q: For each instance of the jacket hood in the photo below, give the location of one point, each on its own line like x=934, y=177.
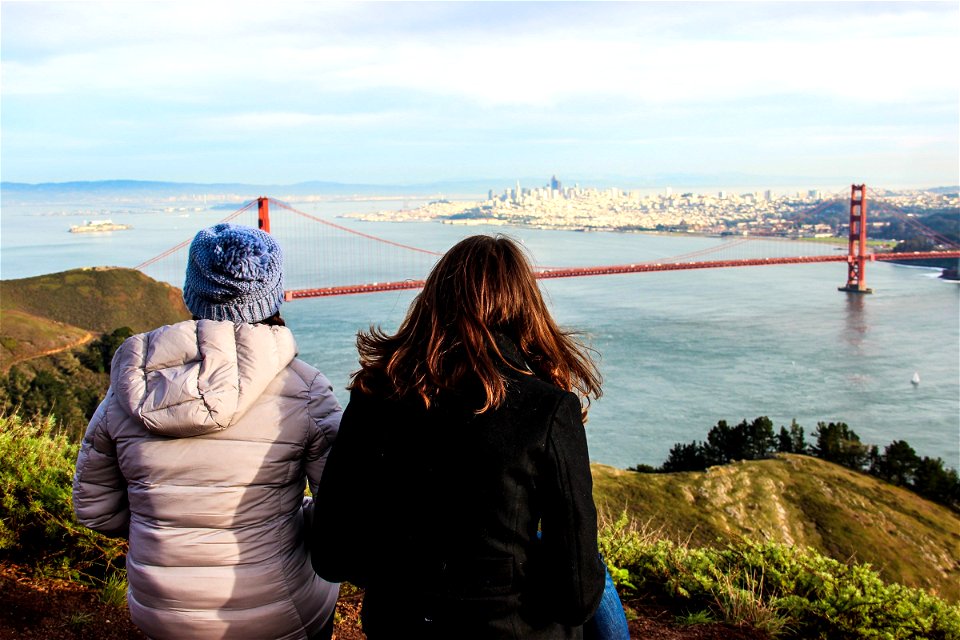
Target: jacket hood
x=197, y=376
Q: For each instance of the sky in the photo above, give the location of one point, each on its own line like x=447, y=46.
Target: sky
x=419, y=92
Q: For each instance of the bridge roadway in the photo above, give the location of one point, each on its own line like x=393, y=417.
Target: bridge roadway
x=640, y=267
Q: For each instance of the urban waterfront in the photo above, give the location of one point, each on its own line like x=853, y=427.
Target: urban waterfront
x=678, y=351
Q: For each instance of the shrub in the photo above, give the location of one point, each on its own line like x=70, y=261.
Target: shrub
x=37, y=524
x=788, y=592
x=620, y=540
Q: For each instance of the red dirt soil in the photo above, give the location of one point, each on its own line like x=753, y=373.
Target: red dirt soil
x=39, y=608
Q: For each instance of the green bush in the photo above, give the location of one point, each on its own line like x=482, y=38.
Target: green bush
x=787, y=591
x=37, y=524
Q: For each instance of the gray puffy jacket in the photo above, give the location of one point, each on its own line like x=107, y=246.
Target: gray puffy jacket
x=199, y=453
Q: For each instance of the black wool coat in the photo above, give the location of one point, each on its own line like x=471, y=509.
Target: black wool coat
x=435, y=513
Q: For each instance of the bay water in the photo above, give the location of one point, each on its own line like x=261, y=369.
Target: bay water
x=678, y=350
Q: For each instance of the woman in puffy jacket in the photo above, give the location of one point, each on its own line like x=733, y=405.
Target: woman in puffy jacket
x=201, y=451
x=459, y=492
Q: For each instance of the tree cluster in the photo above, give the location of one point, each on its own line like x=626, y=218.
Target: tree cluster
x=835, y=442
x=945, y=223
x=68, y=385
x=745, y=441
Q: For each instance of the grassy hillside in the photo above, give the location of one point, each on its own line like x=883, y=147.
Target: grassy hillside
x=24, y=336
x=58, y=333
x=802, y=501
x=99, y=299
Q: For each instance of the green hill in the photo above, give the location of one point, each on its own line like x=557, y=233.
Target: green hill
x=24, y=336
x=802, y=501
x=98, y=299
x=58, y=333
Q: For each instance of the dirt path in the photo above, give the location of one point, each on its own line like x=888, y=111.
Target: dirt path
x=84, y=339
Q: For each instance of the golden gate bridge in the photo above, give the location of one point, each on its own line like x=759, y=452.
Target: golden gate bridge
x=349, y=261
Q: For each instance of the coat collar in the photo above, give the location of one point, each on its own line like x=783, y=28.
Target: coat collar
x=511, y=353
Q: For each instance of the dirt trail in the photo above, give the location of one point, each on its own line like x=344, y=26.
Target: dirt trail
x=84, y=339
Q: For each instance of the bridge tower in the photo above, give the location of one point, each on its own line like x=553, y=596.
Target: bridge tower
x=263, y=214
x=857, y=245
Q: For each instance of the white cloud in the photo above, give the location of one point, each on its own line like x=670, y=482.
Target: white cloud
x=203, y=49
x=494, y=78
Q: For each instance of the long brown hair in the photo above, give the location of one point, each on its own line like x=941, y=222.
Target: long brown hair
x=481, y=287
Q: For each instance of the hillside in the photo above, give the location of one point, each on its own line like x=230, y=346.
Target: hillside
x=802, y=501
x=99, y=299
x=24, y=336
x=58, y=333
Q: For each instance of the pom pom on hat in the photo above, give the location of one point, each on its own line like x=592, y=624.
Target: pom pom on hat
x=234, y=273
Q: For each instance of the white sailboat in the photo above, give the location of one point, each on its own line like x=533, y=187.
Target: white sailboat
x=915, y=380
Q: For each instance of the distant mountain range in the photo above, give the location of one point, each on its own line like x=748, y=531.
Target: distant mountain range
x=146, y=188
x=12, y=192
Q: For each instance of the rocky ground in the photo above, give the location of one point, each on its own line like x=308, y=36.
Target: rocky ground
x=36, y=608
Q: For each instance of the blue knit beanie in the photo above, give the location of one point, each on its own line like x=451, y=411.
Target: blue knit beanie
x=234, y=273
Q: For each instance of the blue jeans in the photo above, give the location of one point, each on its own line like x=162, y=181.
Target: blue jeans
x=609, y=622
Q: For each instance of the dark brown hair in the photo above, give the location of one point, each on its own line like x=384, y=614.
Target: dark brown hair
x=272, y=321
x=481, y=287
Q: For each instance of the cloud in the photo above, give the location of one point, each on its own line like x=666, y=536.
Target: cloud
x=203, y=49
x=447, y=80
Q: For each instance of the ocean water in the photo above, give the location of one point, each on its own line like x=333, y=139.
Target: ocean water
x=678, y=351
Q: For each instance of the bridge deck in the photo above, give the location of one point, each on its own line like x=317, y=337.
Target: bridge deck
x=640, y=267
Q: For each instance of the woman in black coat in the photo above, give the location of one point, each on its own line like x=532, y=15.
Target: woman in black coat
x=458, y=493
